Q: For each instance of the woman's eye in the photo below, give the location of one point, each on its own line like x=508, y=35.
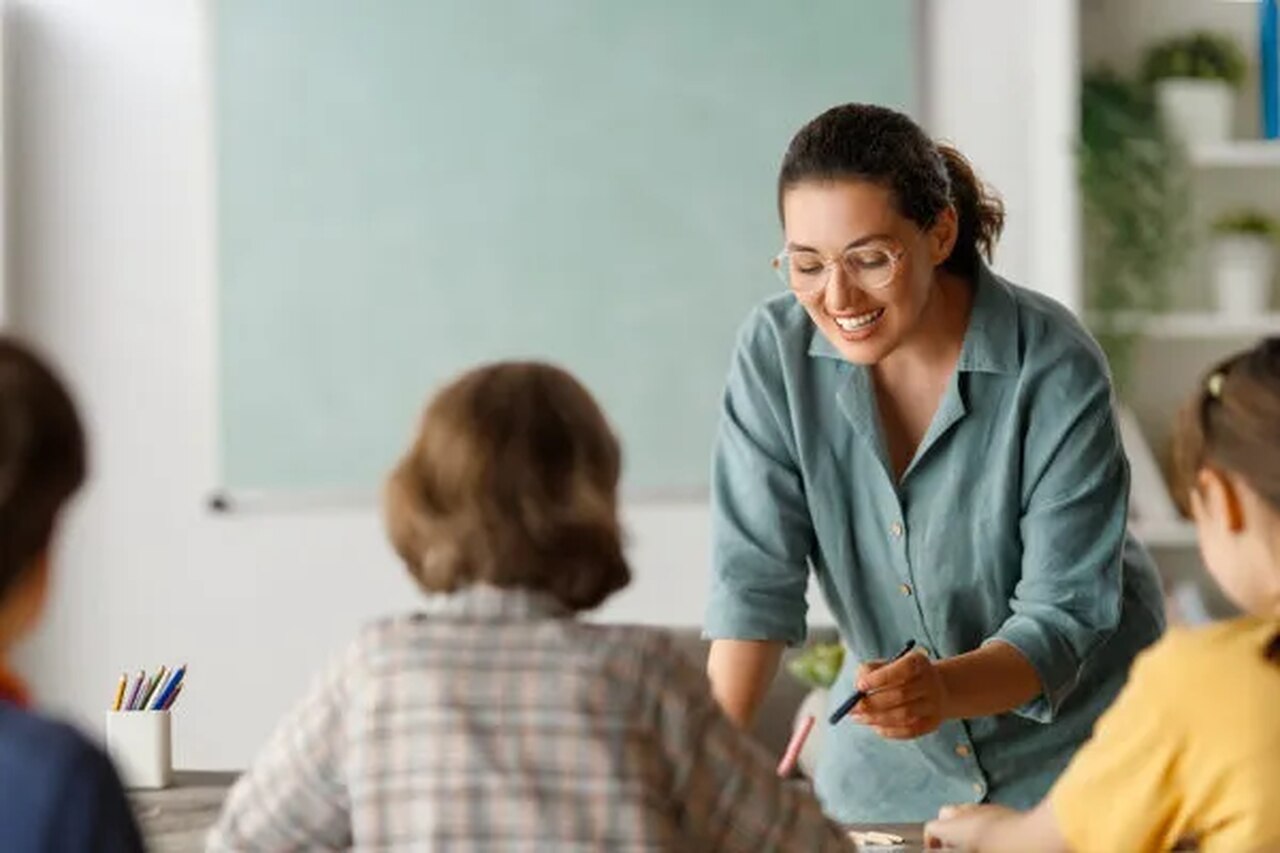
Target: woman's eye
x=870, y=260
x=807, y=265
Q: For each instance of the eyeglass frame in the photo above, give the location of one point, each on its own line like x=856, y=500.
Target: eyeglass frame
x=781, y=266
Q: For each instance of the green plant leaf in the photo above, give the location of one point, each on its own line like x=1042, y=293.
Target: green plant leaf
x=1134, y=198
x=818, y=665
x=1201, y=55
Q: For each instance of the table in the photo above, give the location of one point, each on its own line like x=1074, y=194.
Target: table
x=912, y=834
x=176, y=819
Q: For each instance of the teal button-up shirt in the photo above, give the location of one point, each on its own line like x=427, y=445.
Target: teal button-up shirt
x=1009, y=524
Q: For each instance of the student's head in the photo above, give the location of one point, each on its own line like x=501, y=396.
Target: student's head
x=866, y=184
x=1227, y=452
x=512, y=481
x=42, y=464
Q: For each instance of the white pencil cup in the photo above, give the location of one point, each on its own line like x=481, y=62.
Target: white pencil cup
x=140, y=744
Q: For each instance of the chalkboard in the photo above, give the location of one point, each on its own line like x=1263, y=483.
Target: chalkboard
x=410, y=187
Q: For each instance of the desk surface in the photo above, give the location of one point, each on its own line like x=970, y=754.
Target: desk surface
x=176, y=819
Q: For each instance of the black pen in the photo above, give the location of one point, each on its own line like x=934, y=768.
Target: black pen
x=858, y=695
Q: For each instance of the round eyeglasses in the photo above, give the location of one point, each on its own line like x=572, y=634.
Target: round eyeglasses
x=870, y=268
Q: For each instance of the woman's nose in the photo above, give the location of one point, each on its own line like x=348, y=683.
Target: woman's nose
x=839, y=294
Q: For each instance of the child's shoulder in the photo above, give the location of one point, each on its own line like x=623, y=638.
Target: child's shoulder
x=1221, y=653
x=652, y=648
x=47, y=758
x=32, y=743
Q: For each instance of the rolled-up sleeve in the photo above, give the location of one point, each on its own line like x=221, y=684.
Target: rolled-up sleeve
x=762, y=533
x=1068, y=600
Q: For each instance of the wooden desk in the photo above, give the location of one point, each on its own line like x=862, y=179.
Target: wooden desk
x=912, y=835
x=176, y=819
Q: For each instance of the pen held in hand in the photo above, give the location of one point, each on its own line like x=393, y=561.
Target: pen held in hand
x=858, y=695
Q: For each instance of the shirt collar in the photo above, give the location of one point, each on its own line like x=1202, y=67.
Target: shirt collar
x=485, y=603
x=991, y=341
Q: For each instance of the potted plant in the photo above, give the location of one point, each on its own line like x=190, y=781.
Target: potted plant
x=1195, y=78
x=1243, y=261
x=1134, y=195
x=816, y=667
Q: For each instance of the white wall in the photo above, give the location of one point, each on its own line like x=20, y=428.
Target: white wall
x=111, y=242
x=1002, y=84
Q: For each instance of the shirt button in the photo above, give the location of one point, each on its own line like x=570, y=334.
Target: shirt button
x=905, y=589
x=895, y=530
x=979, y=789
x=962, y=751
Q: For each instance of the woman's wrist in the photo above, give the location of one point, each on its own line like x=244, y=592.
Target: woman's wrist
x=993, y=679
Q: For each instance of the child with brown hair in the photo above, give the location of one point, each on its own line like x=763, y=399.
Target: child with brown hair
x=1190, y=752
x=494, y=719
x=57, y=790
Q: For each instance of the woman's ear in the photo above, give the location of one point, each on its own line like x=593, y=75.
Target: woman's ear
x=942, y=235
x=1218, y=497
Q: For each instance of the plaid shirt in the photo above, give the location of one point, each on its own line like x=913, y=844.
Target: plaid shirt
x=493, y=721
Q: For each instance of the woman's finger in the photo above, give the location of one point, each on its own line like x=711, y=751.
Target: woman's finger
x=879, y=675
x=910, y=713
x=898, y=732
x=895, y=697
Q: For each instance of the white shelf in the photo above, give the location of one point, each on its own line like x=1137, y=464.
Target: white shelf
x=1240, y=154
x=1193, y=325
x=1166, y=534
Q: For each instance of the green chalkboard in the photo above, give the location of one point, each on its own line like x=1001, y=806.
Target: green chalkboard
x=409, y=187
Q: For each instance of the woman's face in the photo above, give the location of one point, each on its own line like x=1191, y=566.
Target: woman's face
x=839, y=219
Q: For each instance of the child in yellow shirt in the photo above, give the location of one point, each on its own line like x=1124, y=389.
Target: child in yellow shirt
x=1190, y=752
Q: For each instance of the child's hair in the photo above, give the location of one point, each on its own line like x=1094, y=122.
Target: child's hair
x=42, y=458
x=1232, y=422
x=512, y=481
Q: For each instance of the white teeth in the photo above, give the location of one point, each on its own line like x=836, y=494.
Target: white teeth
x=851, y=324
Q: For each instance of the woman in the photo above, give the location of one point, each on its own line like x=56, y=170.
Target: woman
x=939, y=445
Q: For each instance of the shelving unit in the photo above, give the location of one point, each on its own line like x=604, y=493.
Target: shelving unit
x=1193, y=325
x=1237, y=154
x=1175, y=534
x=1176, y=347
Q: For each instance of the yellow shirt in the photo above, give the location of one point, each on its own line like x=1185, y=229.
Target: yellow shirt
x=1191, y=749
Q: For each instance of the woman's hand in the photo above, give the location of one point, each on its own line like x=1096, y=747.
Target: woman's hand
x=905, y=699
x=962, y=827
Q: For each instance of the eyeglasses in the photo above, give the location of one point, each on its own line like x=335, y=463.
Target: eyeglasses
x=870, y=268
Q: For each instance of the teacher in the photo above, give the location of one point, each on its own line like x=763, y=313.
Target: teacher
x=938, y=444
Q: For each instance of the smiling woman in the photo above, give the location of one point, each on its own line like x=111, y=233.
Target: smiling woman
x=938, y=445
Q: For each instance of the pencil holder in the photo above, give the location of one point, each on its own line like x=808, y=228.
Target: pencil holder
x=139, y=742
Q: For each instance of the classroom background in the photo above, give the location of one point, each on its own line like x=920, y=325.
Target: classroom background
x=111, y=266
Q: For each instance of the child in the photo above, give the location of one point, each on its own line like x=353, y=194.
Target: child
x=494, y=719
x=1191, y=750
x=57, y=791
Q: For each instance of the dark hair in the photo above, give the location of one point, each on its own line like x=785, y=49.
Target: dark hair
x=863, y=142
x=42, y=458
x=1232, y=422
x=512, y=481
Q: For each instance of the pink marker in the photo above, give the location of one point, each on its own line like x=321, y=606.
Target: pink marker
x=798, y=737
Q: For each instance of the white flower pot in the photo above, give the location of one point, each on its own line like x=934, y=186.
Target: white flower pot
x=814, y=705
x=1197, y=111
x=1242, y=270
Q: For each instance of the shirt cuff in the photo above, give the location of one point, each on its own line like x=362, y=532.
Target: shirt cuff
x=1053, y=660
x=741, y=618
